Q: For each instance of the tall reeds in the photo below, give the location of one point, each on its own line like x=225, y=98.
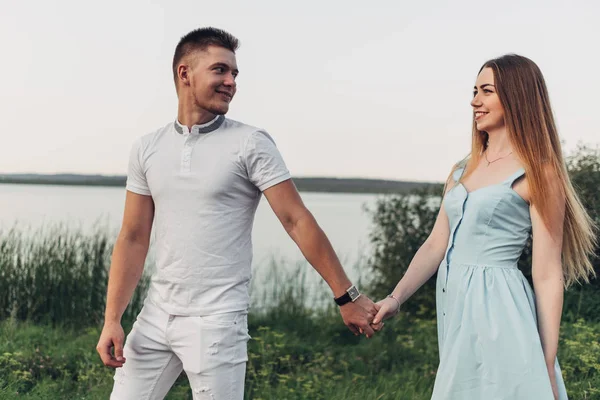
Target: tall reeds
x=57, y=275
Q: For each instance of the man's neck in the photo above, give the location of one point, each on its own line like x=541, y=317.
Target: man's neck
x=189, y=116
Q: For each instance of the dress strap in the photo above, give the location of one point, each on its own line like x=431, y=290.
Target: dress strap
x=458, y=173
x=511, y=179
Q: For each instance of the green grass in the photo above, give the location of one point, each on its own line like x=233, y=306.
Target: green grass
x=314, y=358
x=52, y=293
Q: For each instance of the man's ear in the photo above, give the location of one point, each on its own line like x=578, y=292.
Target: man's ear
x=183, y=74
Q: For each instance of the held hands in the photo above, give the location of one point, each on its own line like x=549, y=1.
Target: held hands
x=358, y=316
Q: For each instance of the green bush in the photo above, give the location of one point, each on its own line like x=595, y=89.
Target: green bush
x=581, y=300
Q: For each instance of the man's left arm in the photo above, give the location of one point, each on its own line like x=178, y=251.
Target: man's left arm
x=316, y=248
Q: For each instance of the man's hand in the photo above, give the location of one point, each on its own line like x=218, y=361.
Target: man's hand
x=358, y=316
x=112, y=337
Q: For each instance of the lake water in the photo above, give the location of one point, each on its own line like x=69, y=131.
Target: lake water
x=341, y=216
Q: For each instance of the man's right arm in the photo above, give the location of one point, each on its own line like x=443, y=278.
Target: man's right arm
x=126, y=269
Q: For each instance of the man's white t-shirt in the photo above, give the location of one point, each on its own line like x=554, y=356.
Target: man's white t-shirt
x=206, y=185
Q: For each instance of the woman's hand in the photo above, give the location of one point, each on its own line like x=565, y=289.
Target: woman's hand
x=388, y=308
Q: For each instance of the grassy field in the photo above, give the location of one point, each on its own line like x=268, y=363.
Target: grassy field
x=294, y=354
x=52, y=289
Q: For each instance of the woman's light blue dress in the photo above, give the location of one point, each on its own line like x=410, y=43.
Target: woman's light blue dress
x=490, y=348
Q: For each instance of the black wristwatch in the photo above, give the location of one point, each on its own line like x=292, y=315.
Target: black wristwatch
x=352, y=294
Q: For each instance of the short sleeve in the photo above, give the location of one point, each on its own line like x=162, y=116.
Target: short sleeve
x=264, y=162
x=136, y=178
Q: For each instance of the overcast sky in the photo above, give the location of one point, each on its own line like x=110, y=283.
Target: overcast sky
x=345, y=88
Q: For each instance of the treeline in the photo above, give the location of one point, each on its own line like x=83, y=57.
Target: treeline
x=329, y=185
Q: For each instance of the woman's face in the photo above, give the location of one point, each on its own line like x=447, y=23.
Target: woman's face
x=487, y=109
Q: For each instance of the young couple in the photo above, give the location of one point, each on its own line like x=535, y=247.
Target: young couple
x=197, y=182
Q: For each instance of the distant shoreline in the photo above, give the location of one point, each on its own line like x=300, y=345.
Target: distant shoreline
x=305, y=184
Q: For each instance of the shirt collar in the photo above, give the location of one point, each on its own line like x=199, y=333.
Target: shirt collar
x=201, y=128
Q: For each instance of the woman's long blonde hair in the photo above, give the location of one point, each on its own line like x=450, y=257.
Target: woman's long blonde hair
x=532, y=131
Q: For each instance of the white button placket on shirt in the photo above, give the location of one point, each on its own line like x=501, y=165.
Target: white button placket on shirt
x=186, y=154
x=191, y=138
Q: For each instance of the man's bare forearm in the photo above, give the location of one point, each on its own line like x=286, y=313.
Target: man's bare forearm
x=317, y=250
x=126, y=270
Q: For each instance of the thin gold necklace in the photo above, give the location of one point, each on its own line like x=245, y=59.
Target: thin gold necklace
x=493, y=161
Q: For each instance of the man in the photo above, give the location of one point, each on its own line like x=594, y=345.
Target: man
x=199, y=180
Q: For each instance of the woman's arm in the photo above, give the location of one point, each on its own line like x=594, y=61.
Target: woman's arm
x=423, y=265
x=548, y=279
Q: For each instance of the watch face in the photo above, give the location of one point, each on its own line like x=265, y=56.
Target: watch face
x=353, y=292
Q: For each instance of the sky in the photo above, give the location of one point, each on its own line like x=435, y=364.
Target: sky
x=346, y=89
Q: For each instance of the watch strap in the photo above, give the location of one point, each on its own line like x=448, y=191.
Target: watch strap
x=351, y=295
x=343, y=299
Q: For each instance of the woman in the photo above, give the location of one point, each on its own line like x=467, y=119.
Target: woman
x=496, y=339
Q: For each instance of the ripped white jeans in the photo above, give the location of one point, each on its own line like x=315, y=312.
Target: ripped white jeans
x=212, y=350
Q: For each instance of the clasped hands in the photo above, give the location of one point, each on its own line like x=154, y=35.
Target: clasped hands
x=363, y=316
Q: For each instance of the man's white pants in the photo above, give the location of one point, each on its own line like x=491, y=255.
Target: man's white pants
x=210, y=349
